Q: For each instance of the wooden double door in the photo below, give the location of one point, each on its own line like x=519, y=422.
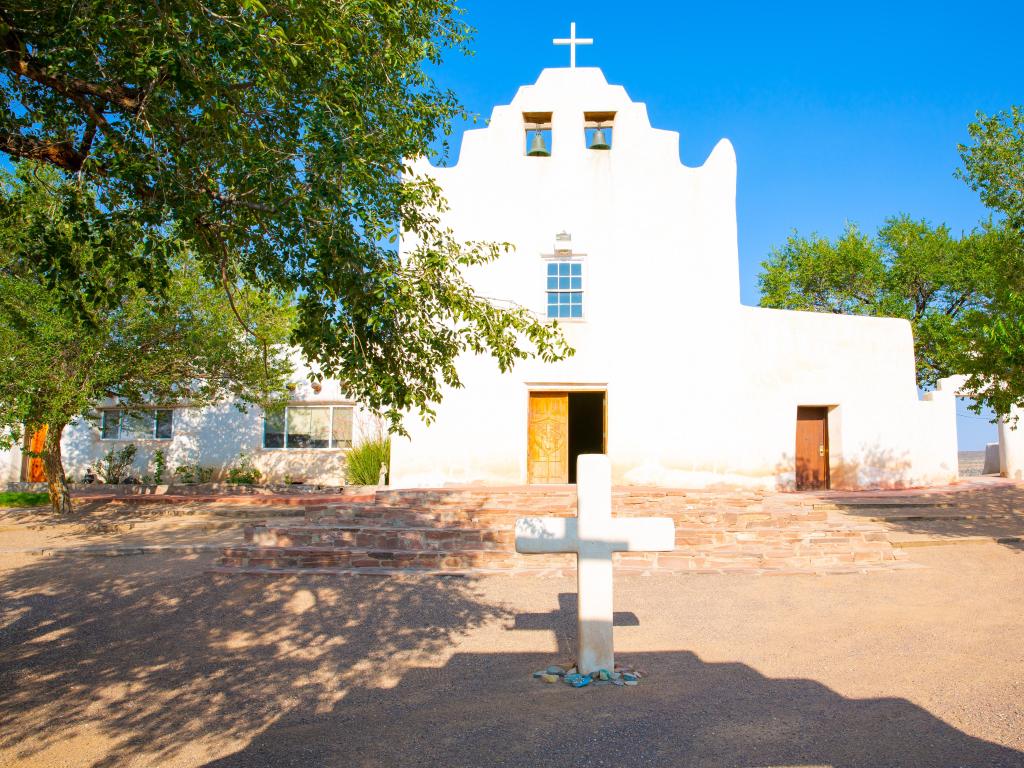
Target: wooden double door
x=811, y=448
x=561, y=426
x=35, y=472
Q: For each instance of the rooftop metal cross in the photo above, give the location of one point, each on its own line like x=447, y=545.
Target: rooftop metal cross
x=572, y=41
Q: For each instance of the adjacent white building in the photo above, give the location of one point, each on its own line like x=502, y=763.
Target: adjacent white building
x=635, y=256
x=308, y=442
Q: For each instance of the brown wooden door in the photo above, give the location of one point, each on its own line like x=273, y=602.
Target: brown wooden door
x=547, y=456
x=36, y=471
x=811, y=448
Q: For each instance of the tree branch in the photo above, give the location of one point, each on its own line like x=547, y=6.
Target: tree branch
x=61, y=154
x=18, y=60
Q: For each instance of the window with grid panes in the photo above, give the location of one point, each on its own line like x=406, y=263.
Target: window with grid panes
x=565, y=289
x=298, y=426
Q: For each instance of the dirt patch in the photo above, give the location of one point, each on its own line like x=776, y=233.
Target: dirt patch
x=133, y=522
x=146, y=661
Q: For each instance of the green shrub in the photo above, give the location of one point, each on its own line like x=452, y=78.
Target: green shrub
x=112, y=467
x=244, y=472
x=160, y=465
x=192, y=473
x=365, y=460
x=23, y=499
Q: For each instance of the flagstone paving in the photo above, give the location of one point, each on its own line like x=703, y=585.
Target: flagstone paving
x=144, y=661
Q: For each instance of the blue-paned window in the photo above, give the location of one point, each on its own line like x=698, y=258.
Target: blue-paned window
x=565, y=289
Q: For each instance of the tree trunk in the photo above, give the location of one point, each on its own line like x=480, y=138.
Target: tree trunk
x=60, y=496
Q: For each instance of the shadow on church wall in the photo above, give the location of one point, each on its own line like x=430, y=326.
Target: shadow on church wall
x=873, y=467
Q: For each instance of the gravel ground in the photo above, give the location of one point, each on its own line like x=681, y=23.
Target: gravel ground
x=971, y=463
x=132, y=523
x=147, y=661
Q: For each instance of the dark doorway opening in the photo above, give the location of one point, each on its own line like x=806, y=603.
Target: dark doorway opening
x=586, y=426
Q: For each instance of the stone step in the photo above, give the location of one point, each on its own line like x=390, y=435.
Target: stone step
x=459, y=518
x=953, y=516
x=912, y=540
x=381, y=537
x=823, y=569
x=343, y=535
x=352, y=557
x=472, y=530
x=313, y=557
x=858, y=504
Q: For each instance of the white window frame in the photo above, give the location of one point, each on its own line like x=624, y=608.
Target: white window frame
x=330, y=407
x=121, y=413
x=565, y=258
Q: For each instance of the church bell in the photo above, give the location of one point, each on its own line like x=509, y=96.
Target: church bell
x=537, y=146
x=599, y=141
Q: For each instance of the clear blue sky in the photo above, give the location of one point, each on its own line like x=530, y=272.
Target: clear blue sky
x=837, y=111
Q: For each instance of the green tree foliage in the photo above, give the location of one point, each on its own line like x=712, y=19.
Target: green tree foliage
x=184, y=343
x=994, y=163
x=994, y=167
x=273, y=136
x=956, y=293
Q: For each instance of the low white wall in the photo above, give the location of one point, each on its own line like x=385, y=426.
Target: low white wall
x=1011, y=445
x=10, y=465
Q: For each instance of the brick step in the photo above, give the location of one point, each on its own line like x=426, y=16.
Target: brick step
x=312, y=557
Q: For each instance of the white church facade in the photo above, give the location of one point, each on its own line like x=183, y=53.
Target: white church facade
x=635, y=256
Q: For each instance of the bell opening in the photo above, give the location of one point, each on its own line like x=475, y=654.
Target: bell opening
x=599, y=139
x=537, y=144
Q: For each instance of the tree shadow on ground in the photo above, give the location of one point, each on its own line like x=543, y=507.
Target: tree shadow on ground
x=147, y=660
x=483, y=710
x=150, y=657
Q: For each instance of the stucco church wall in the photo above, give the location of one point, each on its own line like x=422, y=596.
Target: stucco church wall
x=700, y=390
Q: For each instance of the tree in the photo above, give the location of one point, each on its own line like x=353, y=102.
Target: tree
x=994, y=167
x=956, y=292
x=184, y=343
x=994, y=163
x=273, y=137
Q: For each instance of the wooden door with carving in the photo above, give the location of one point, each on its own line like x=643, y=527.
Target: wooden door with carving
x=548, y=438
x=36, y=471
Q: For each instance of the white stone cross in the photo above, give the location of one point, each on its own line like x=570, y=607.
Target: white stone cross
x=593, y=535
x=572, y=41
